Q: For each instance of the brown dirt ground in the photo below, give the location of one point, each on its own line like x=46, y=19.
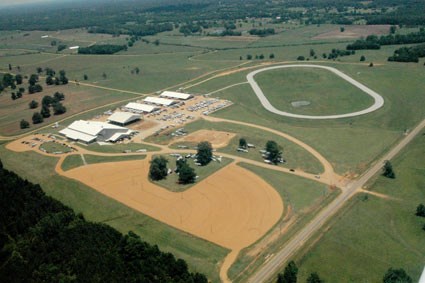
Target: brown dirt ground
x=232, y=208
x=216, y=138
x=355, y=31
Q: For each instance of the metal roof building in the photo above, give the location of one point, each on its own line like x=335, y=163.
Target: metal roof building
x=90, y=131
x=139, y=108
x=159, y=101
x=123, y=118
x=176, y=95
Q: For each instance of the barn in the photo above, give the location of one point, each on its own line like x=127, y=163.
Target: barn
x=123, y=118
x=139, y=108
x=159, y=101
x=176, y=95
x=91, y=131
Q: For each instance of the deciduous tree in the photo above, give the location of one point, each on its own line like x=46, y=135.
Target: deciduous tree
x=158, y=168
x=204, y=154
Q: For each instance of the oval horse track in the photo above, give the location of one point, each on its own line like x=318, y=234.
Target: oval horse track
x=379, y=101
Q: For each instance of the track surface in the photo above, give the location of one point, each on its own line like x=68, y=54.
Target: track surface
x=379, y=101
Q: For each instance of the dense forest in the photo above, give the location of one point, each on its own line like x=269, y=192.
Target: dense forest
x=375, y=42
x=148, y=17
x=41, y=240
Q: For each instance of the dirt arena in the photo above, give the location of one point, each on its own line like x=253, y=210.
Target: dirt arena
x=232, y=208
x=216, y=138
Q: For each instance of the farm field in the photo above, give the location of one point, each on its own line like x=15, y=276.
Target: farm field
x=242, y=211
x=375, y=231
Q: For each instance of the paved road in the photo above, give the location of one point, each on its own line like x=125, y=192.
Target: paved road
x=379, y=101
x=282, y=256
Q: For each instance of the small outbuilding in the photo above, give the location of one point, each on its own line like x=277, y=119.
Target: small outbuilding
x=176, y=95
x=123, y=118
x=159, y=101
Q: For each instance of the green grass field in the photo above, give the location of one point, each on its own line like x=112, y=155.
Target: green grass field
x=295, y=156
x=305, y=197
x=171, y=182
x=52, y=147
x=119, y=148
x=74, y=161
x=373, y=234
x=327, y=93
x=202, y=256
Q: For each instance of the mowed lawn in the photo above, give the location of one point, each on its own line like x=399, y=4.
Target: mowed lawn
x=77, y=99
x=326, y=93
x=201, y=256
x=373, y=234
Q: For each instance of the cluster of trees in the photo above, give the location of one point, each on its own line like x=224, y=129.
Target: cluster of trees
x=205, y=153
x=274, y=152
x=158, y=170
x=12, y=81
x=42, y=240
x=262, y=32
x=34, y=87
x=190, y=28
x=420, y=211
x=102, y=49
x=46, y=103
x=258, y=57
x=388, y=170
x=408, y=54
x=375, y=42
x=229, y=32
x=289, y=275
x=52, y=79
x=335, y=53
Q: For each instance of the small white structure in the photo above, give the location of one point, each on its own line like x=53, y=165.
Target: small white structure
x=74, y=47
x=44, y=36
x=139, y=108
x=176, y=95
x=90, y=131
x=159, y=101
x=123, y=118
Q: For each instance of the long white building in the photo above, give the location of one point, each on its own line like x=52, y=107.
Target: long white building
x=159, y=101
x=139, y=108
x=90, y=131
x=176, y=95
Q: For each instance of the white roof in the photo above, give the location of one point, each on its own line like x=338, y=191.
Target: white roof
x=75, y=135
x=123, y=117
x=158, y=100
x=140, y=107
x=74, y=47
x=92, y=127
x=118, y=136
x=177, y=95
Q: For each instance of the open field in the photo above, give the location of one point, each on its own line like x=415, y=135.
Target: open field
x=375, y=233
x=295, y=156
x=202, y=256
x=237, y=215
x=77, y=99
x=303, y=198
x=326, y=93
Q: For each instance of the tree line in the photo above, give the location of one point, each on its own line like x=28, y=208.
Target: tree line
x=375, y=42
x=43, y=240
x=102, y=49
